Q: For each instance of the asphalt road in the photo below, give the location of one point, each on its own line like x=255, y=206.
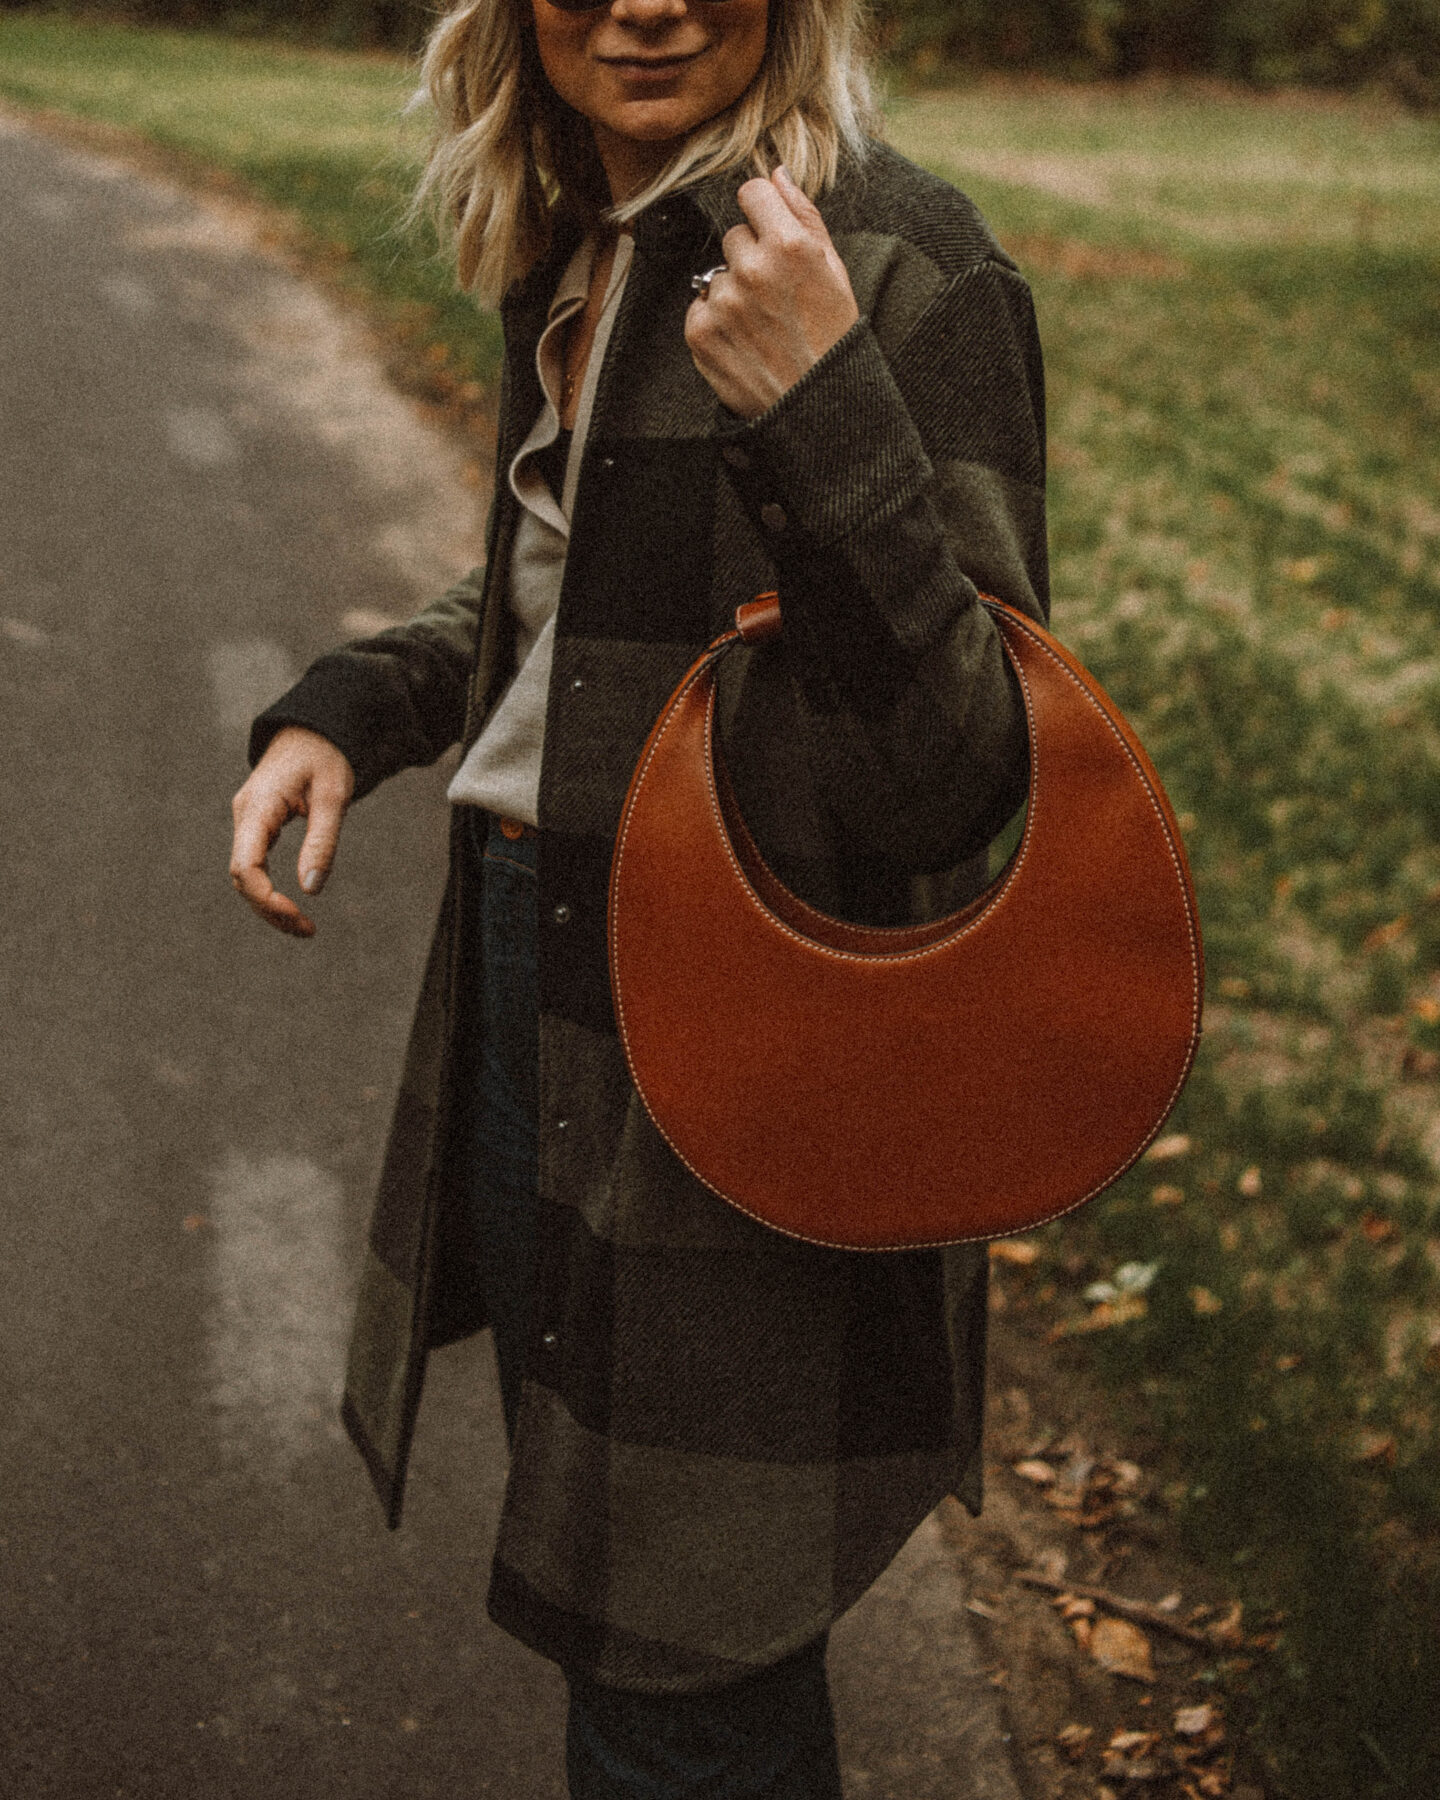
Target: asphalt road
x=203, y=482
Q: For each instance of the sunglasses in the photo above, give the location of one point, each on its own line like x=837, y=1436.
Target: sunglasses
x=580, y=6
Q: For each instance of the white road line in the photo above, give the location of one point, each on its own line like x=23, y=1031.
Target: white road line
x=200, y=436
x=244, y=678
x=127, y=294
x=275, y=1325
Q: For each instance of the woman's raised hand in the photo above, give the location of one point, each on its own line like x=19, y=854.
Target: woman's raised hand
x=782, y=302
x=301, y=775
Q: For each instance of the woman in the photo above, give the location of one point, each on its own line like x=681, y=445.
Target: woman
x=719, y=1436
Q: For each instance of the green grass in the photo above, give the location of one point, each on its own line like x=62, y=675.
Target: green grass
x=1239, y=306
x=321, y=136
x=1241, y=311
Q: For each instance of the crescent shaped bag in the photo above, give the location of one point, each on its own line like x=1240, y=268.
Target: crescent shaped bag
x=891, y=1088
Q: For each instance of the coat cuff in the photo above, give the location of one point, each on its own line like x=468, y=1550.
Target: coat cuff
x=805, y=470
x=350, y=698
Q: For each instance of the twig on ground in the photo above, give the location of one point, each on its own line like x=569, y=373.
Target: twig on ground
x=1137, y=1610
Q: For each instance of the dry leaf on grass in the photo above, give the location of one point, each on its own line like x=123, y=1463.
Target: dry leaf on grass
x=1166, y=1149
x=1073, y=1740
x=1102, y=1317
x=1129, y=1743
x=1019, y=1252
x=1389, y=933
x=1227, y=1630
x=1195, y=1721
x=1128, y=1756
x=1032, y=1469
x=1167, y=1194
x=1121, y=1648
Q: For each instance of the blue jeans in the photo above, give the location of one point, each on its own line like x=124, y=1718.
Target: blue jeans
x=770, y=1736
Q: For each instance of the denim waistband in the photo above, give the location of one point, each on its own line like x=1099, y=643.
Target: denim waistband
x=486, y=837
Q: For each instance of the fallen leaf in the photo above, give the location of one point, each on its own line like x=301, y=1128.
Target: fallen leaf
x=1194, y=1721
x=1287, y=1362
x=1073, y=1740
x=1102, y=1317
x=1227, y=1630
x=1170, y=1603
x=1427, y=1010
x=1084, y=1630
x=1032, y=1469
x=1121, y=1648
x=981, y=1609
x=1142, y=1770
x=1250, y=1183
x=1376, y=1447
x=1420, y=1063
x=1128, y=1742
x=1205, y=1303
x=1166, y=1195
x=1376, y=1228
x=1166, y=1149
x=1019, y=1252
x=1071, y=1608
x=1386, y=934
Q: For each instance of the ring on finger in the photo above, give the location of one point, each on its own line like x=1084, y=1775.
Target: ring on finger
x=701, y=283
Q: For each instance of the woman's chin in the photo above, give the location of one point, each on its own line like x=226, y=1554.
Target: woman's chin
x=658, y=120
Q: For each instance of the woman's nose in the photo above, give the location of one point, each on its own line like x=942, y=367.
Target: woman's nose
x=648, y=12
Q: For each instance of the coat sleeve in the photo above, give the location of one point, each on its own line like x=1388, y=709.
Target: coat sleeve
x=891, y=484
x=393, y=701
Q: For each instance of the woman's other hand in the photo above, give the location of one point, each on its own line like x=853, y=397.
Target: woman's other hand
x=301, y=775
x=782, y=302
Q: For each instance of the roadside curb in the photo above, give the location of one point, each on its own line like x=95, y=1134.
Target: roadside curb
x=911, y=1686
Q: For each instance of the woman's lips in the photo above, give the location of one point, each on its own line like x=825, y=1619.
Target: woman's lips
x=650, y=68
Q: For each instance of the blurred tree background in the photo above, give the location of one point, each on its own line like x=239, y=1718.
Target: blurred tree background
x=1332, y=43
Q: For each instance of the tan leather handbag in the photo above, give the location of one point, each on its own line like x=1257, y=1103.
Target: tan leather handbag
x=888, y=1088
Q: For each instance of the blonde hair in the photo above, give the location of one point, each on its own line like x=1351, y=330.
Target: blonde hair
x=508, y=155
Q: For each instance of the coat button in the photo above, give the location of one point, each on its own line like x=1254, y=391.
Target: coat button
x=772, y=517
x=561, y=915
x=736, y=457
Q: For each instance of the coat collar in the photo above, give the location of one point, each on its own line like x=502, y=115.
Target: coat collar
x=678, y=223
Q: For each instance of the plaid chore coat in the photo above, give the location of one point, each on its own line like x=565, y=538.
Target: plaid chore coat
x=725, y=1434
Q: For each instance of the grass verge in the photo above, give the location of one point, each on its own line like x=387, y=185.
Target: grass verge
x=1239, y=306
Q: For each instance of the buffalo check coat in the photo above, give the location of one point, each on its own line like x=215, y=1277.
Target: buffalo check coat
x=725, y=1434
